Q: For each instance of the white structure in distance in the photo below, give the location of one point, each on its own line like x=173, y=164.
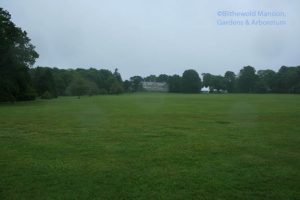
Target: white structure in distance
x=155, y=86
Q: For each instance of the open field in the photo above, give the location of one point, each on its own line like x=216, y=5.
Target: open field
x=151, y=146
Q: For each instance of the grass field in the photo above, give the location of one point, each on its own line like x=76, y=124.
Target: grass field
x=151, y=146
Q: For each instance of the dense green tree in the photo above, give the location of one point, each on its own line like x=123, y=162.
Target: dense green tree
x=162, y=78
x=230, y=81
x=78, y=87
x=136, y=83
x=207, y=81
x=62, y=78
x=287, y=79
x=219, y=83
x=247, y=79
x=127, y=86
x=116, y=88
x=117, y=84
x=104, y=79
x=17, y=56
x=117, y=75
x=43, y=81
x=191, y=82
x=174, y=83
x=214, y=83
x=151, y=78
x=266, y=81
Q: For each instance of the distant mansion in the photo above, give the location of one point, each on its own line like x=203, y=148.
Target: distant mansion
x=155, y=86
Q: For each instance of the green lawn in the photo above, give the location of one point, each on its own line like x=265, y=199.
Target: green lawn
x=151, y=146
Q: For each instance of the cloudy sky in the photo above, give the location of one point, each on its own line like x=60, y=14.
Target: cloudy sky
x=143, y=37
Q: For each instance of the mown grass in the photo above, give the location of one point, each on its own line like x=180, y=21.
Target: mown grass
x=151, y=146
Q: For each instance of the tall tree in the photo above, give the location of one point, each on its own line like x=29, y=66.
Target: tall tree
x=117, y=75
x=218, y=83
x=247, y=79
x=288, y=79
x=117, y=84
x=207, y=81
x=136, y=83
x=127, y=86
x=230, y=81
x=17, y=56
x=191, y=82
x=174, y=83
x=266, y=81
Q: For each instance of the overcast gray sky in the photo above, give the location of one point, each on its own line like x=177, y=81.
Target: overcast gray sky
x=158, y=36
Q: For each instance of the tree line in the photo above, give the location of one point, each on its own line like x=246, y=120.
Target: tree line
x=52, y=82
x=286, y=80
x=248, y=80
x=19, y=81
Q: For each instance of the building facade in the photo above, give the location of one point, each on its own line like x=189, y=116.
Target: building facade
x=155, y=86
